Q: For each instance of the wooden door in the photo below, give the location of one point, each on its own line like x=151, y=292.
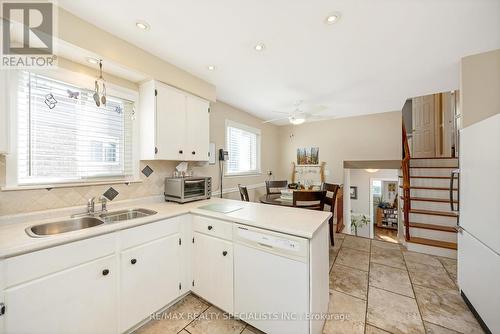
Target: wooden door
x=170, y=123
x=149, y=279
x=197, y=128
x=82, y=299
x=213, y=270
x=423, y=115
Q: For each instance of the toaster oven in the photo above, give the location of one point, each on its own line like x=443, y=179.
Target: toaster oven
x=187, y=189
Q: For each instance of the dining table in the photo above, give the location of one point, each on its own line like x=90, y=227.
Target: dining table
x=275, y=199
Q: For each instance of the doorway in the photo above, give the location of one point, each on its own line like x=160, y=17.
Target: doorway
x=384, y=209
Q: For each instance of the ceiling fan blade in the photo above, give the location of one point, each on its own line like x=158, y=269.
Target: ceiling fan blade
x=280, y=112
x=274, y=120
x=318, y=109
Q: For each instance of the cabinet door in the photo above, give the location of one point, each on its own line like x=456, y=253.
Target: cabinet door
x=198, y=121
x=170, y=123
x=213, y=270
x=81, y=299
x=149, y=279
x=4, y=108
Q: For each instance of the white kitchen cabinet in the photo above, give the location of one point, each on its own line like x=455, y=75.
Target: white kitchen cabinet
x=174, y=124
x=150, y=278
x=81, y=299
x=4, y=125
x=213, y=270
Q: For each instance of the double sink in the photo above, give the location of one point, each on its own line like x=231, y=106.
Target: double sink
x=86, y=222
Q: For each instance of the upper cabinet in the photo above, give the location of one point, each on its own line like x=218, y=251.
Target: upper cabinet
x=174, y=124
x=4, y=107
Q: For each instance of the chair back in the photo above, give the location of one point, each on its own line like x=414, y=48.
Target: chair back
x=244, y=193
x=274, y=187
x=314, y=200
x=330, y=199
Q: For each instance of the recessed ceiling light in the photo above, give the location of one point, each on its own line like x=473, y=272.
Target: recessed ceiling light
x=142, y=25
x=93, y=60
x=333, y=18
x=211, y=67
x=259, y=47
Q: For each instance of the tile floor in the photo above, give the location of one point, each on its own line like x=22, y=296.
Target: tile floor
x=375, y=287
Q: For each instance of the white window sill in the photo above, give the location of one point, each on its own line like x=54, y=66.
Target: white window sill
x=68, y=185
x=250, y=174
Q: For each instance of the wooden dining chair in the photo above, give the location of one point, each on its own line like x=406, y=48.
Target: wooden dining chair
x=313, y=200
x=330, y=201
x=244, y=193
x=272, y=186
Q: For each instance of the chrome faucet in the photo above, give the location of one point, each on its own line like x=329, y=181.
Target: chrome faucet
x=91, y=205
x=104, y=202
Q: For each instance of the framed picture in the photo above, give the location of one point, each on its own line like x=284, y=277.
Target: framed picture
x=354, y=192
x=308, y=156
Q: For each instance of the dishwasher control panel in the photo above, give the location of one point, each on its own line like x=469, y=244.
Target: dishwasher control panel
x=279, y=243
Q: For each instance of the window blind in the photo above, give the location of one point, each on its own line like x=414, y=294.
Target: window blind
x=243, y=149
x=76, y=140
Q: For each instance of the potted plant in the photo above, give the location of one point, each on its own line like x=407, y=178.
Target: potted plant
x=358, y=221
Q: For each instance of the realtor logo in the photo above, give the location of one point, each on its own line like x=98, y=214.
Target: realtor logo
x=27, y=34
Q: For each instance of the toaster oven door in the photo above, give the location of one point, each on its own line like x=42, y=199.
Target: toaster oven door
x=194, y=188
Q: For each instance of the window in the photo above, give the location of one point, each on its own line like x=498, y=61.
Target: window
x=243, y=146
x=74, y=141
x=377, y=188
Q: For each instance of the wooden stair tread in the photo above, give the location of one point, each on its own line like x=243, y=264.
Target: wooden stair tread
x=430, y=177
x=428, y=199
x=436, y=167
x=433, y=158
x=434, y=213
x=430, y=188
x=434, y=227
x=434, y=243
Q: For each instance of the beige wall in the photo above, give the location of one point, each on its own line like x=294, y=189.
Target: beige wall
x=480, y=87
x=75, y=31
x=371, y=137
x=12, y=202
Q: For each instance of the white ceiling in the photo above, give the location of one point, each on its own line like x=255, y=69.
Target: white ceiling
x=380, y=53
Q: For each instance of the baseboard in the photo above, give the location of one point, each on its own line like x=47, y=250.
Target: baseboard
x=474, y=312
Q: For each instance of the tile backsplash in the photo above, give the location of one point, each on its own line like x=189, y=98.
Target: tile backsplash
x=22, y=201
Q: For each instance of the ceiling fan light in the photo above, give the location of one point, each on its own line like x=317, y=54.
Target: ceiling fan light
x=296, y=120
x=369, y=170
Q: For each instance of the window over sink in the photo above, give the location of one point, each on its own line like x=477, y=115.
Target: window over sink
x=243, y=146
x=63, y=137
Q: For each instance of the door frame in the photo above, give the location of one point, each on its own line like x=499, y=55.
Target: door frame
x=372, y=228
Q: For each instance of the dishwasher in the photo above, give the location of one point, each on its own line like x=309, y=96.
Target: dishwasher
x=271, y=280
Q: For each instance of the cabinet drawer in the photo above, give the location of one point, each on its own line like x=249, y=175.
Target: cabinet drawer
x=29, y=266
x=139, y=235
x=214, y=227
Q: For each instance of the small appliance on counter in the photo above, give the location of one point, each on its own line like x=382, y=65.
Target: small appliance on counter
x=187, y=189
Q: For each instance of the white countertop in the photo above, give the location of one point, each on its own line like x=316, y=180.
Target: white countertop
x=298, y=222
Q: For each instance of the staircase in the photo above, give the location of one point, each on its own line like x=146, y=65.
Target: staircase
x=431, y=224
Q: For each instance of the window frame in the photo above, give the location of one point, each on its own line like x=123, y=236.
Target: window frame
x=79, y=80
x=258, y=133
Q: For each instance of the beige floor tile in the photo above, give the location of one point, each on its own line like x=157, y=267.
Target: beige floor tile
x=435, y=329
x=451, y=267
x=215, y=321
x=334, y=251
x=251, y=330
x=391, y=279
x=393, y=313
x=374, y=330
x=353, y=258
x=352, y=281
x=430, y=276
x=176, y=317
x=347, y=314
x=447, y=309
x=413, y=257
x=339, y=236
x=358, y=243
x=388, y=257
x=385, y=244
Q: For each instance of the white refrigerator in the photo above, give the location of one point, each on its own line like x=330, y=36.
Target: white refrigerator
x=479, y=220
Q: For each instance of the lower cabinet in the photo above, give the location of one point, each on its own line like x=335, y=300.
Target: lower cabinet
x=213, y=270
x=82, y=299
x=149, y=279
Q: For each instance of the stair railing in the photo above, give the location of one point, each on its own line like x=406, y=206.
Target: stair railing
x=405, y=167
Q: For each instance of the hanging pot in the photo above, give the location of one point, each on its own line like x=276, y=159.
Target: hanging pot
x=96, y=94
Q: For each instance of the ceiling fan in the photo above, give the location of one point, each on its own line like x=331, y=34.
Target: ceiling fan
x=299, y=115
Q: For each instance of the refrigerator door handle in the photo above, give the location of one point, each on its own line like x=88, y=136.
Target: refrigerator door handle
x=452, y=179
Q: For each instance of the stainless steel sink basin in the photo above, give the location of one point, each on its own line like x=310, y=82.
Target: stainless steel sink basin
x=117, y=216
x=63, y=226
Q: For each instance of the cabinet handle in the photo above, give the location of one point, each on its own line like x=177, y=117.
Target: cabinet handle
x=180, y=152
x=210, y=227
x=224, y=253
x=133, y=261
x=193, y=153
x=105, y=272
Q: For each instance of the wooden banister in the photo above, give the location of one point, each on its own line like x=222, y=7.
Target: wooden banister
x=405, y=167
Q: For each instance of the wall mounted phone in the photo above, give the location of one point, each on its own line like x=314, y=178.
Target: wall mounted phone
x=223, y=155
